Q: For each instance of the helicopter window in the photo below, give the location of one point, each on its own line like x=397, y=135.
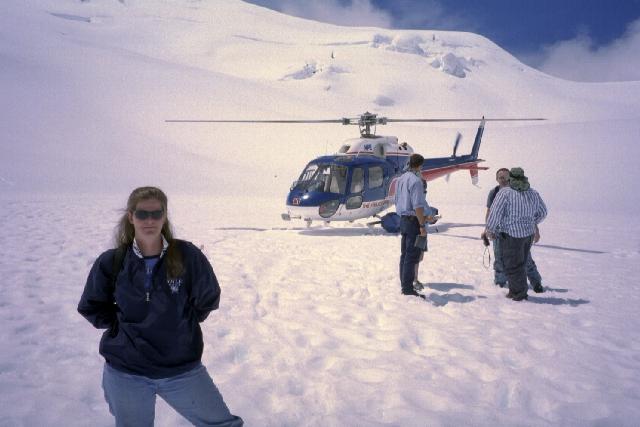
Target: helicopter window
x=354, y=202
x=309, y=172
x=323, y=179
x=376, y=177
x=337, y=181
x=357, y=180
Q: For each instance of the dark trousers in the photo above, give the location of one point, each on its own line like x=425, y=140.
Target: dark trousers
x=499, y=276
x=409, y=254
x=515, y=252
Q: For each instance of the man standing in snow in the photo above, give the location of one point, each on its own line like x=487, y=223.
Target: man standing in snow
x=411, y=205
x=514, y=215
x=500, y=279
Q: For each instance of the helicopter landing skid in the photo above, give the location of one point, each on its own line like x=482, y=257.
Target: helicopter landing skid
x=287, y=217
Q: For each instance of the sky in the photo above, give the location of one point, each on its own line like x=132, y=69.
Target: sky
x=551, y=35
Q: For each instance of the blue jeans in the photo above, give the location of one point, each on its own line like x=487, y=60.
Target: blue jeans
x=409, y=254
x=132, y=398
x=500, y=278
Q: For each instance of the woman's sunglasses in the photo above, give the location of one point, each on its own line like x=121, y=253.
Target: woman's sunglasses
x=142, y=214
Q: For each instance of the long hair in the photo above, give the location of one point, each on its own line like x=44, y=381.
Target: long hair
x=125, y=233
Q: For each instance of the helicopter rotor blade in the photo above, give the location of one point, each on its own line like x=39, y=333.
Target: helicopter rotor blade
x=463, y=120
x=456, y=143
x=350, y=120
x=365, y=121
x=252, y=121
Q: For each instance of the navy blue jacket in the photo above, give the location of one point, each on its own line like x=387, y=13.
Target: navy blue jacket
x=158, y=338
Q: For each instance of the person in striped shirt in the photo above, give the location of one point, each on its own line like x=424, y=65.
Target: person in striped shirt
x=515, y=213
x=500, y=279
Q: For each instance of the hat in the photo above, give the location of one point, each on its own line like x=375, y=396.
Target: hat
x=517, y=180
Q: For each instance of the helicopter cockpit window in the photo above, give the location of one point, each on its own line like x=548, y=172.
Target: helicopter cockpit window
x=376, y=177
x=357, y=180
x=323, y=179
x=309, y=172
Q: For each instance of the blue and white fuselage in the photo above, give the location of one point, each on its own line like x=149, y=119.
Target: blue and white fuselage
x=349, y=185
x=359, y=181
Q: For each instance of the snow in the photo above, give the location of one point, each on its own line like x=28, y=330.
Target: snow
x=312, y=329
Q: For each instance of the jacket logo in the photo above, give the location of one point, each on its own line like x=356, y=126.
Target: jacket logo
x=174, y=284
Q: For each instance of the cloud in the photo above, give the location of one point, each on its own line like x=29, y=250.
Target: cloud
x=578, y=59
x=359, y=13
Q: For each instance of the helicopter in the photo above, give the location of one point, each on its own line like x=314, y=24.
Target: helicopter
x=359, y=181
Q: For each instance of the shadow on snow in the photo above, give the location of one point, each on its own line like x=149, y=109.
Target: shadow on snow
x=558, y=301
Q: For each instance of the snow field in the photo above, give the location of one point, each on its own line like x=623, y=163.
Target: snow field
x=312, y=329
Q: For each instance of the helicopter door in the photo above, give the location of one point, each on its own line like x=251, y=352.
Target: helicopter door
x=354, y=201
x=375, y=184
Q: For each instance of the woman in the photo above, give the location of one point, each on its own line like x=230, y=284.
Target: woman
x=151, y=299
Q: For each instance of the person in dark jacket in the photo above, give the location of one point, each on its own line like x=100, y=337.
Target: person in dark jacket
x=151, y=311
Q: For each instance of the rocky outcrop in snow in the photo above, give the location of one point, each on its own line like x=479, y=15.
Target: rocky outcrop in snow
x=451, y=64
x=312, y=68
x=430, y=48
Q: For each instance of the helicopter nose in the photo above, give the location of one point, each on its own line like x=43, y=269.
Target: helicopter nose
x=297, y=198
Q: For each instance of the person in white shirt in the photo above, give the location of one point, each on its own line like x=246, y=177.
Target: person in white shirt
x=411, y=205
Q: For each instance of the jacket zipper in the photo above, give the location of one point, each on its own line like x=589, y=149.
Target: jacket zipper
x=153, y=274
x=148, y=286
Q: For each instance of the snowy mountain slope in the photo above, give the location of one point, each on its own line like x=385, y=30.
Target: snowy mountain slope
x=248, y=42
x=120, y=69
